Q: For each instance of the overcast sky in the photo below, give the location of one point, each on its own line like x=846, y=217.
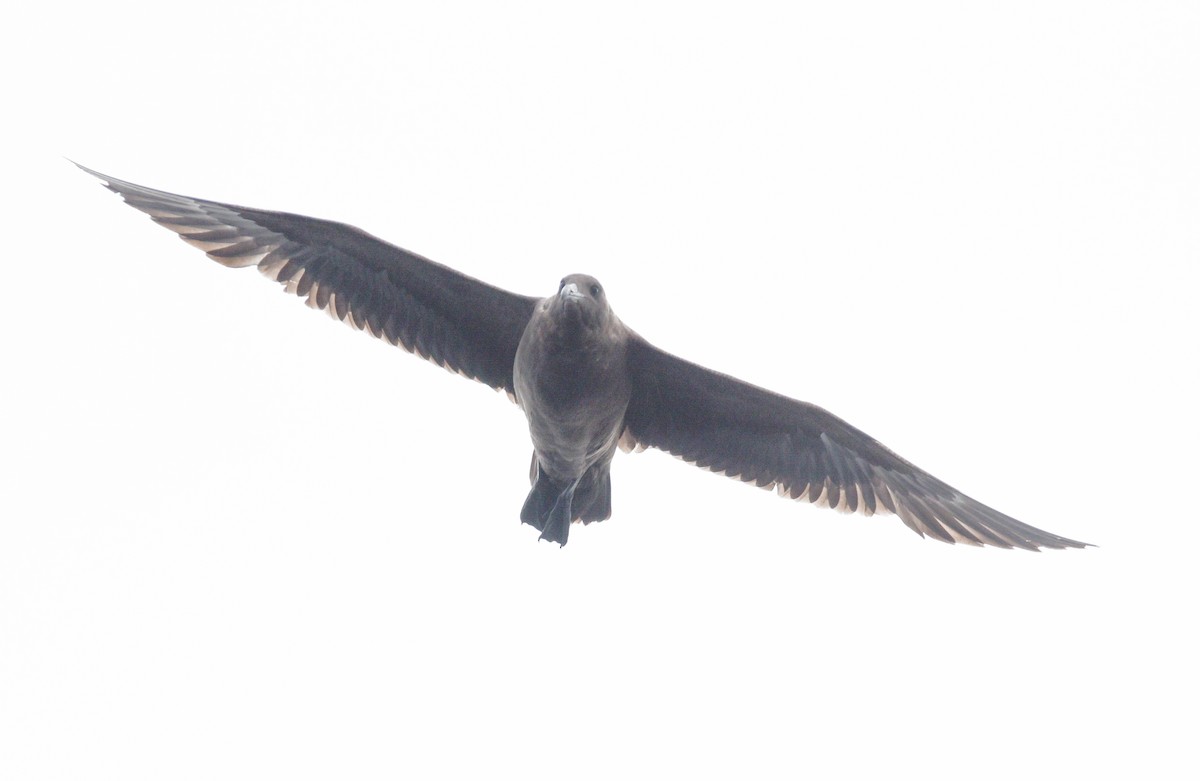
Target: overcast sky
x=240, y=540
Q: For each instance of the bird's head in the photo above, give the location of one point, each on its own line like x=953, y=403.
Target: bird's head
x=580, y=300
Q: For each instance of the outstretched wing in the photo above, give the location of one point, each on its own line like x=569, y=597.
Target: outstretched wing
x=731, y=427
x=455, y=321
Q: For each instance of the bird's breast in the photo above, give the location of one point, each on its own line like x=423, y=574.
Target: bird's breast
x=574, y=393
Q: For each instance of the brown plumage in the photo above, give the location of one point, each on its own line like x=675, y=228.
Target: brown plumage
x=586, y=382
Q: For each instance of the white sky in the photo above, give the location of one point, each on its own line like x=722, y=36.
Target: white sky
x=242, y=541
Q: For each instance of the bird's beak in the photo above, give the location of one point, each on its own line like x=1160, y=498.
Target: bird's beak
x=569, y=291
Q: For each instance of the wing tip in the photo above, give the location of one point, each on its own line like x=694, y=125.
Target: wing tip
x=102, y=177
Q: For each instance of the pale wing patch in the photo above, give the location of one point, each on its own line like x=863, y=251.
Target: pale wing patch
x=220, y=233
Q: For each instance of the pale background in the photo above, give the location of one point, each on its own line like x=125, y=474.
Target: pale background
x=242, y=541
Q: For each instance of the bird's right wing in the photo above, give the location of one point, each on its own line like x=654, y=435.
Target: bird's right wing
x=455, y=321
x=732, y=427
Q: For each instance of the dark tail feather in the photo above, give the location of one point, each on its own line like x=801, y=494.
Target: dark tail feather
x=593, y=497
x=551, y=506
x=548, y=507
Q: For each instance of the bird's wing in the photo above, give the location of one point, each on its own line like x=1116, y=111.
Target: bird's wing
x=455, y=321
x=751, y=434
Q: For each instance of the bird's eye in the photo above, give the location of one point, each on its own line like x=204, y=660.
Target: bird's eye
x=595, y=290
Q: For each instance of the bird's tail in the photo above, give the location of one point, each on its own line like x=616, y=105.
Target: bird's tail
x=552, y=506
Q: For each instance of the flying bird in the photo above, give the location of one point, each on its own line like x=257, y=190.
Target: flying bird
x=587, y=384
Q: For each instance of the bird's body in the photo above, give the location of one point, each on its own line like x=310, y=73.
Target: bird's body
x=586, y=383
x=572, y=381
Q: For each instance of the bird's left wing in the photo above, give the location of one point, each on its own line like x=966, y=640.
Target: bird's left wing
x=732, y=427
x=455, y=321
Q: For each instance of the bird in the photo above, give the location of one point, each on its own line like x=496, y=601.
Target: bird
x=587, y=384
